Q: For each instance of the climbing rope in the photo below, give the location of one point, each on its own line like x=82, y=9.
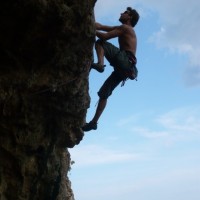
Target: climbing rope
x=55, y=86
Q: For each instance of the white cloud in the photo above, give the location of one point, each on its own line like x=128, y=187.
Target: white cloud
x=181, y=124
x=145, y=132
x=184, y=121
x=90, y=155
x=179, y=32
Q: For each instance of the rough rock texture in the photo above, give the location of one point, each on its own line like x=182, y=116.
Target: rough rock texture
x=45, y=54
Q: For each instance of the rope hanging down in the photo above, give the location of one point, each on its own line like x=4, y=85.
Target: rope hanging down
x=55, y=86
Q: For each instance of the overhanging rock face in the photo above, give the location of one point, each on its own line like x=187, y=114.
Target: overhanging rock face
x=45, y=55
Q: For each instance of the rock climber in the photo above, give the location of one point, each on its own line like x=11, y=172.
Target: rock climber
x=122, y=59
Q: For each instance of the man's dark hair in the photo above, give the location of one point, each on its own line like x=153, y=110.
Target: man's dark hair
x=134, y=16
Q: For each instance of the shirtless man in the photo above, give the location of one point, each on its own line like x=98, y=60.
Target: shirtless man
x=122, y=59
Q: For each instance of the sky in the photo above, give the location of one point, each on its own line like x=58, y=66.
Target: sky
x=146, y=146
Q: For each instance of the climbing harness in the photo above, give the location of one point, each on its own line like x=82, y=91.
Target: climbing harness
x=132, y=72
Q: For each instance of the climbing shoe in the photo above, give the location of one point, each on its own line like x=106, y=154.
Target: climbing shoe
x=90, y=126
x=98, y=67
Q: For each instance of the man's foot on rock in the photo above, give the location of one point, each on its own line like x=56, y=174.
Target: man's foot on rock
x=98, y=67
x=89, y=126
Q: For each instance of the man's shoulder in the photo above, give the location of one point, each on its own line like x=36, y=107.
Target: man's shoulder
x=123, y=26
x=126, y=27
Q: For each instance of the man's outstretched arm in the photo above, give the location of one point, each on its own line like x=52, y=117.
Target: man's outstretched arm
x=101, y=27
x=110, y=34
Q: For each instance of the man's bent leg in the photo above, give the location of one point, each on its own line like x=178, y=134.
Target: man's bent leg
x=99, y=66
x=100, y=53
x=105, y=91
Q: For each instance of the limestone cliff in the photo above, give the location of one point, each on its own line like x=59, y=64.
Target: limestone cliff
x=45, y=54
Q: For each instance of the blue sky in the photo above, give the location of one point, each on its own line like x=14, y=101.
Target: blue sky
x=146, y=146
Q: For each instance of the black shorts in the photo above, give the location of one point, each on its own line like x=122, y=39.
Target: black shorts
x=110, y=84
x=119, y=59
